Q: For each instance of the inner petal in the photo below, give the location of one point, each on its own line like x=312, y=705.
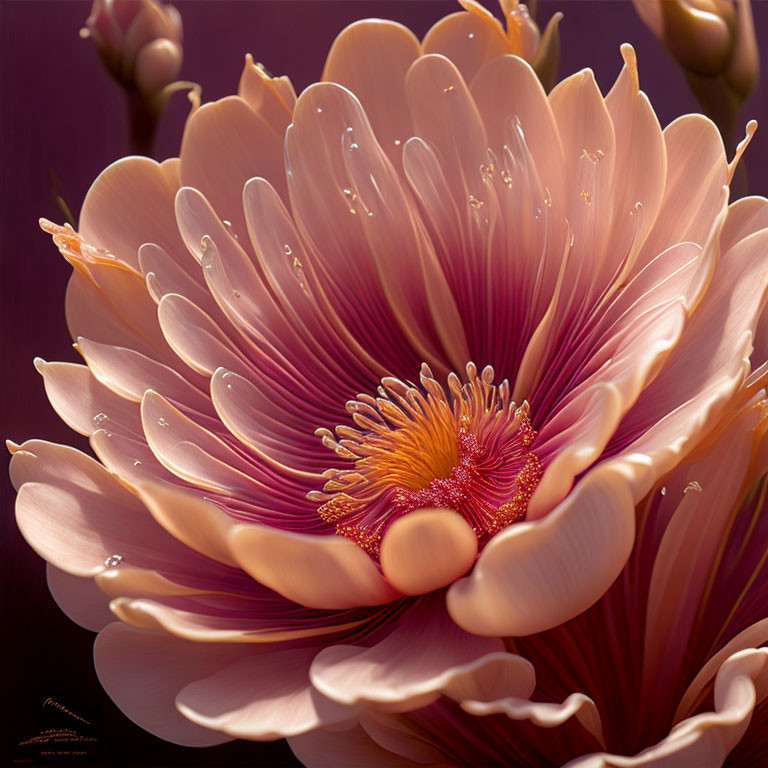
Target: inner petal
x=467, y=447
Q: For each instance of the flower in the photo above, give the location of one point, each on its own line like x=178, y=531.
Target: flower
x=669, y=668
x=714, y=42
x=139, y=41
x=377, y=377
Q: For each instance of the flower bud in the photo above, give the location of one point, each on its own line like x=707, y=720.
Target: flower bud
x=714, y=42
x=139, y=41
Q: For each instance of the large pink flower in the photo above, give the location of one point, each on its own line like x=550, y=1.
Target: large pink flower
x=669, y=668
x=424, y=322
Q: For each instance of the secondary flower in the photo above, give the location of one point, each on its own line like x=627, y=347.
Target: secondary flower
x=139, y=42
x=668, y=669
x=714, y=42
x=424, y=321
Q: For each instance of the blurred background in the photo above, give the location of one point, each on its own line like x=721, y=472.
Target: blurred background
x=63, y=121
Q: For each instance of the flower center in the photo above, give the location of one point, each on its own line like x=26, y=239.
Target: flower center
x=468, y=450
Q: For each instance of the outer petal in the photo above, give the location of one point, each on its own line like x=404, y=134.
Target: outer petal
x=79, y=598
x=264, y=696
x=706, y=739
x=426, y=655
x=143, y=672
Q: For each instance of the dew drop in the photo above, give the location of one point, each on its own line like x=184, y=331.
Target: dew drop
x=692, y=486
x=287, y=249
x=162, y=422
x=228, y=226
x=319, y=110
x=349, y=129
x=236, y=294
x=547, y=197
x=450, y=89
x=100, y=418
x=664, y=490
x=397, y=142
x=475, y=203
x=539, y=213
x=353, y=146
x=471, y=35
x=136, y=463
x=586, y=196
x=113, y=561
x=595, y=156
x=636, y=209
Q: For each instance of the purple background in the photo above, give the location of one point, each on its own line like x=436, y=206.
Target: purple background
x=63, y=115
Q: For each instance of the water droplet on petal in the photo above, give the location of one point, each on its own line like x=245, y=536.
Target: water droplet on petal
x=664, y=490
x=547, y=197
x=397, y=142
x=450, y=89
x=471, y=35
x=287, y=249
x=595, y=156
x=228, y=226
x=162, y=422
x=236, y=294
x=475, y=203
x=692, y=486
x=136, y=463
x=113, y=561
x=100, y=418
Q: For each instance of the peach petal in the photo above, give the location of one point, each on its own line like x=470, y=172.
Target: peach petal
x=641, y=157
x=83, y=403
x=704, y=740
x=507, y=87
x=404, y=287
x=79, y=598
x=325, y=571
x=705, y=369
x=195, y=337
x=128, y=581
x=198, y=523
x=371, y=58
x=427, y=549
x=143, y=671
x=468, y=40
x=163, y=274
x=533, y=576
x=424, y=656
x=696, y=173
x=445, y=116
x=264, y=97
x=200, y=627
x=281, y=703
x=130, y=190
x=541, y=714
x=61, y=489
x=226, y=143
x=191, y=452
x=130, y=459
x=130, y=374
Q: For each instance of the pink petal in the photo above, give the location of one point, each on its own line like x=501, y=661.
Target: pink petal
x=263, y=696
x=425, y=655
x=143, y=672
x=79, y=598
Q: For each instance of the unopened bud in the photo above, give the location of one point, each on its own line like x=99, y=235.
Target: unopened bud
x=139, y=41
x=714, y=42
